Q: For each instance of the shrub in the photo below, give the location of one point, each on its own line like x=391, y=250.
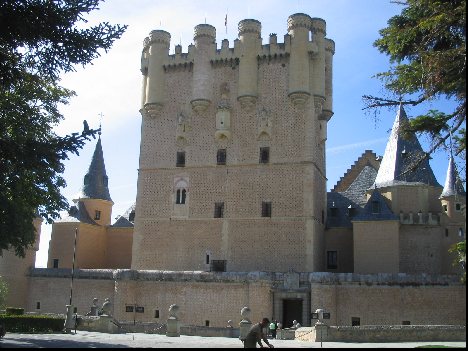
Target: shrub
x=17, y=311
x=32, y=323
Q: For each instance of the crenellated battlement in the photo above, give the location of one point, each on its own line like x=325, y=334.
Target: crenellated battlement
x=420, y=218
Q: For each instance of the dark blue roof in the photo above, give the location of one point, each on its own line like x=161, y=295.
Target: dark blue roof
x=127, y=220
x=400, y=156
x=95, y=182
x=376, y=209
x=453, y=185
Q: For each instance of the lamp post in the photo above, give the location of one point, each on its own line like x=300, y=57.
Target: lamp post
x=69, y=324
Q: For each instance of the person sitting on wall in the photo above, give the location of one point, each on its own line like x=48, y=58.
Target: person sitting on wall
x=256, y=335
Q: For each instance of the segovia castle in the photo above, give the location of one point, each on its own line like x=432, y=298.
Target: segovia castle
x=232, y=208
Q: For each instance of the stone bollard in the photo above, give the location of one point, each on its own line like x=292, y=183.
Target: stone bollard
x=173, y=324
x=245, y=324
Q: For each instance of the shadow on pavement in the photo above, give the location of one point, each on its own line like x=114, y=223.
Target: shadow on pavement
x=37, y=343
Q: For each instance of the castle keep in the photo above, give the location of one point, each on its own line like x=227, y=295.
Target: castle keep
x=232, y=208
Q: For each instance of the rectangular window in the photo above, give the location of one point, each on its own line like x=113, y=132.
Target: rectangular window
x=264, y=154
x=97, y=215
x=355, y=321
x=156, y=313
x=128, y=308
x=207, y=323
x=207, y=259
x=332, y=259
x=139, y=309
x=266, y=209
x=55, y=263
x=180, y=162
x=375, y=207
x=406, y=323
x=445, y=208
x=219, y=210
x=457, y=207
x=38, y=305
x=221, y=157
x=218, y=265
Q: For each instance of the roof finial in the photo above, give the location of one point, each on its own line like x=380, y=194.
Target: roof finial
x=100, y=123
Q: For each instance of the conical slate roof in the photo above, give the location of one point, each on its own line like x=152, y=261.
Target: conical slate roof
x=453, y=185
x=95, y=182
x=400, y=154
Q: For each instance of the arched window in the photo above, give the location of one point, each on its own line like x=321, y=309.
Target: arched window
x=181, y=186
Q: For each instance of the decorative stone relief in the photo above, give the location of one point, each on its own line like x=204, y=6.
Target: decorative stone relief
x=291, y=280
x=264, y=124
x=223, y=115
x=184, y=125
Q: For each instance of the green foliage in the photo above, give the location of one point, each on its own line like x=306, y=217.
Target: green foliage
x=426, y=45
x=460, y=250
x=3, y=292
x=14, y=311
x=39, y=40
x=32, y=323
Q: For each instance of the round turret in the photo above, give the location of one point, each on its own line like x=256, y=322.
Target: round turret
x=159, y=37
x=299, y=20
x=204, y=31
x=250, y=38
x=319, y=26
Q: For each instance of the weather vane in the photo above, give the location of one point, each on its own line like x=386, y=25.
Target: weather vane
x=100, y=122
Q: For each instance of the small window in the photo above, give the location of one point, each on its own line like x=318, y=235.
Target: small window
x=38, y=305
x=375, y=207
x=55, y=263
x=266, y=209
x=406, y=323
x=445, y=208
x=264, y=154
x=460, y=232
x=221, y=157
x=355, y=321
x=207, y=323
x=219, y=210
x=457, y=207
x=332, y=259
x=156, y=313
x=139, y=309
x=333, y=212
x=97, y=215
x=180, y=159
x=207, y=259
x=181, y=196
x=128, y=308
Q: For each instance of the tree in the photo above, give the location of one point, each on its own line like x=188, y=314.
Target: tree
x=3, y=293
x=426, y=44
x=460, y=260
x=39, y=40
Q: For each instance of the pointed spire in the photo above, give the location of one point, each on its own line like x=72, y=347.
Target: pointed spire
x=453, y=185
x=95, y=182
x=400, y=155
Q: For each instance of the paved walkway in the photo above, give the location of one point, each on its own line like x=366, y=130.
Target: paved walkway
x=100, y=340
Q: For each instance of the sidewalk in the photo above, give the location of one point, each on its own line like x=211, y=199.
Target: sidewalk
x=134, y=340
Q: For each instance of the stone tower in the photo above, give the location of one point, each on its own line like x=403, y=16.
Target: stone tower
x=232, y=157
x=15, y=270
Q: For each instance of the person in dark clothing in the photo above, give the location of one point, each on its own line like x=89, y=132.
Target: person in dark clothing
x=256, y=335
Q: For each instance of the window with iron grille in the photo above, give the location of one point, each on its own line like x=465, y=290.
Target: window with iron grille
x=221, y=157
x=264, y=154
x=332, y=259
x=180, y=162
x=266, y=209
x=219, y=210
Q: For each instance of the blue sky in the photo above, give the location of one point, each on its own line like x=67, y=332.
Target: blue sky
x=112, y=85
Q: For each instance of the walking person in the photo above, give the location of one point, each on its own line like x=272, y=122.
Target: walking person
x=273, y=326
x=256, y=335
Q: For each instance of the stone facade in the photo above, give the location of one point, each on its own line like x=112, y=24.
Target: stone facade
x=232, y=208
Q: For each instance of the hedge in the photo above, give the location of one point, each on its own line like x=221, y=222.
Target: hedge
x=14, y=311
x=32, y=323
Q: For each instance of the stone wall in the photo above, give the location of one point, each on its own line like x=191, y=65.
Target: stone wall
x=378, y=333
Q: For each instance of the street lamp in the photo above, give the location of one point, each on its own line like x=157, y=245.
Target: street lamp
x=69, y=323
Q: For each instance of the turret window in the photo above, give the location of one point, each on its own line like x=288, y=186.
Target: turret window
x=97, y=215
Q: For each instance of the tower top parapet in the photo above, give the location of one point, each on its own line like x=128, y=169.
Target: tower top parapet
x=250, y=26
x=204, y=30
x=299, y=20
x=157, y=36
x=319, y=26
